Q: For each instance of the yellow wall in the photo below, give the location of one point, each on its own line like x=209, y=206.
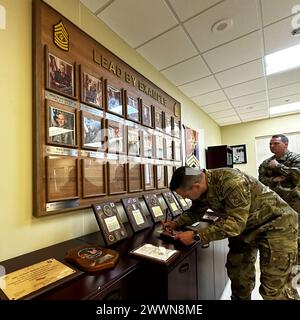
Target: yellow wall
x=246, y=133
x=20, y=232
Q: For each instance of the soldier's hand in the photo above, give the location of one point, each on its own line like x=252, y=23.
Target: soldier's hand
x=279, y=178
x=186, y=237
x=169, y=226
x=273, y=163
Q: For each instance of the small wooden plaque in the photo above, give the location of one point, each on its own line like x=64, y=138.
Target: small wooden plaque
x=172, y=203
x=154, y=207
x=182, y=202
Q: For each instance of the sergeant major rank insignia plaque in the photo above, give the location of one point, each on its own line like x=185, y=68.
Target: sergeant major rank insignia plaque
x=61, y=36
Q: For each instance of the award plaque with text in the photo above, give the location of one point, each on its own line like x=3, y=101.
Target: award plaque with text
x=172, y=203
x=182, y=202
x=154, y=207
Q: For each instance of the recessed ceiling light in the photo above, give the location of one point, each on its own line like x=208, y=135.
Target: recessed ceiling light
x=285, y=108
x=222, y=26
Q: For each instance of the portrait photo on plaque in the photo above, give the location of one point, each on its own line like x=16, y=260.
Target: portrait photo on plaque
x=60, y=75
x=168, y=124
x=114, y=100
x=172, y=203
x=154, y=207
x=161, y=176
x=169, y=149
x=176, y=128
x=159, y=146
x=149, y=182
x=93, y=177
x=148, y=145
x=132, y=107
x=158, y=119
x=134, y=141
x=91, y=90
x=62, y=178
x=117, y=181
x=109, y=222
x=177, y=149
x=135, y=213
x=61, y=124
x=135, y=174
x=116, y=137
x=147, y=119
x=92, y=131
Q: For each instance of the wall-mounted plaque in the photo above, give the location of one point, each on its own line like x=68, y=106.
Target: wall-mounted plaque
x=91, y=89
x=182, y=202
x=116, y=137
x=135, y=174
x=117, y=178
x=148, y=145
x=60, y=75
x=176, y=128
x=133, y=112
x=172, y=203
x=93, y=178
x=177, y=150
x=149, y=182
x=62, y=178
x=115, y=100
x=61, y=122
x=135, y=213
x=159, y=146
x=169, y=149
x=109, y=222
x=158, y=119
x=168, y=124
x=147, y=118
x=170, y=171
x=161, y=177
x=154, y=207
x=133, y=139
x=92, y=131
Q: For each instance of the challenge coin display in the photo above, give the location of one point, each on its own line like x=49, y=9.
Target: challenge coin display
x=154, y=207
x=109, y=222
x=171, y=203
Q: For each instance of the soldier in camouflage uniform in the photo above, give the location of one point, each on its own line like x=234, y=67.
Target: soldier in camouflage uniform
x=281, y=173
x=253, y=218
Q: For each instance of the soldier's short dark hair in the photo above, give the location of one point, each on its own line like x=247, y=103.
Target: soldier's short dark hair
x=185, y=177
x=283, y=138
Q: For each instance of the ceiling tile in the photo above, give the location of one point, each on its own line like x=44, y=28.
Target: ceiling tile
x=228, y=120
x=237, y=52
x=274, y=10
x=285, y=100
x=168, y=49
x=200, y=86
x=220, y=106
x=255, y=114
x=278, y=36
x=284, y=91
x=94, y=5
x=244, y=20
x=252, y=107
x=223, y=114
x=283, y=78
x=256, y=118
x=133, y=20
x=209, y=98
x=243, y=73
x=249, y=99
x=187, y=8
x=187, y=71
x=224, y=124
x=246, y=88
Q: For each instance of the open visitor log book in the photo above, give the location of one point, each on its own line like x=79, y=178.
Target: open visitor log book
x=155, y=253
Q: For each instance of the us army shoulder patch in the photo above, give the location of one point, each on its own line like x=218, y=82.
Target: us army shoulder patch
x=236, y=198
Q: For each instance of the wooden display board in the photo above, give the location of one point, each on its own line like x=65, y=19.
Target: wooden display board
x=93, y=117
x=172, y=203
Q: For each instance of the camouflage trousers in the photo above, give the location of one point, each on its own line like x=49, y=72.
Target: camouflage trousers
x=278, y=255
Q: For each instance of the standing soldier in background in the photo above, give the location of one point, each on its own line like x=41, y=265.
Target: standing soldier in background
x=281, y=173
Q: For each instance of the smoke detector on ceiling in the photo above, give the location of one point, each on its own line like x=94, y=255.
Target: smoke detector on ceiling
x=222, y=26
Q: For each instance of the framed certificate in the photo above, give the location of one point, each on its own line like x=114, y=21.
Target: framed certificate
x=148, y=145
x=116, y=137
x=117, y=181
x=154, y=207
x=133, y=139
x=182, y=202
x=172, y=203
x=133, y=110
x=135, y=213
x=161, y=176
x=115, y=100
x=149, y=175
x=109, y=222
x=135, y=174
x=93, y=178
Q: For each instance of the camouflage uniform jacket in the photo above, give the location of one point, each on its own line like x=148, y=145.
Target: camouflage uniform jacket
x=289, y=166
x=247, y=207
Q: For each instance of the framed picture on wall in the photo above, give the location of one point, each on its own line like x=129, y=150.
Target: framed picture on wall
x=93, y=178
x=158, y=119
x=168, y=124
x=159, y=144
x=147, y=115
x=239, y=154
x=116, y=137
x=133, y=141
x=148, y=145
x=149, y=183
x=132, y=107
x=91, y=89
x=115, y=100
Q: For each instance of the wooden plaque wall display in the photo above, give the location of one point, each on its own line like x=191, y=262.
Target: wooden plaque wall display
x=135, y=213
x=171, y=203
x=109, y=222
x=154, y=207
x=182, y=202
x=135, y=174
x=161, y=177
x=84, y=99
x=94, y=178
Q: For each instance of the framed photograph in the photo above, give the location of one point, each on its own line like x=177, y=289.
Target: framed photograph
x=161, y=176
x=116, y=137
x=117, y=181
x=109, y=222
x=62, y=178
x=169, y=149
x=91, y=90
x=133, y=139
x=61, y=122
x=149, y=183
x=60, y=75
x=176, y=126
x=168, y=124
x=170, y=171
x=92, y=131
x=93, y=178
x=135, y=174
x=148, y=145
x=135, y=213
x=159, y=146
x=147, y=115
x=158, y=119
x=154, y=207
x=172, y=203
x=177, y=149
x=239, y=154
x=115, y=100
x=133, y=112
x=182, y=202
